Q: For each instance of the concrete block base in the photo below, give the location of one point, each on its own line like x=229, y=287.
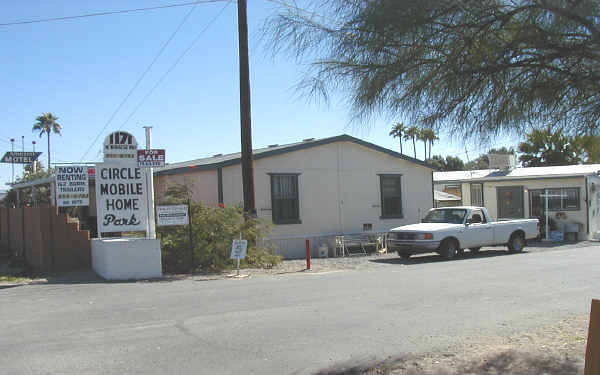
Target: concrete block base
x=126, y=258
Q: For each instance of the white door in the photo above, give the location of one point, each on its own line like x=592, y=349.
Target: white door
x=478, y=232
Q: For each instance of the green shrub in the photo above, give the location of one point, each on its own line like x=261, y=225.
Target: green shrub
x=213, y=230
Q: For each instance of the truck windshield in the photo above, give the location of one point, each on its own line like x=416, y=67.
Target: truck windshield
x=450, y=216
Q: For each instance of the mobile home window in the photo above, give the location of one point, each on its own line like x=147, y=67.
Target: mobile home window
x=477, y=195
x=391, y=196
x=284, y=199
x=565, y=199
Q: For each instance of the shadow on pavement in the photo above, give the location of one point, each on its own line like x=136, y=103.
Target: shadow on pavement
x=549, y=245
x=506, y=363
x=433, y=257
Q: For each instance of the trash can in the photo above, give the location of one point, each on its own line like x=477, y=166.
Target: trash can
x=323, y=251
x=571, y=231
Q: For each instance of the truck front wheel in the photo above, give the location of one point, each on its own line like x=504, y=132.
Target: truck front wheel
x=449, y=249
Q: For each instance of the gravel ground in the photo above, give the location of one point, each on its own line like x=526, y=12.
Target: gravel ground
x=382, y=260
x=555, y=349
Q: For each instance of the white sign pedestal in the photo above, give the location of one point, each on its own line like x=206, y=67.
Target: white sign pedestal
x=126, y=258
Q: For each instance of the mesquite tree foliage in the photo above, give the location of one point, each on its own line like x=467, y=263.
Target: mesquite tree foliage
x=475, y=67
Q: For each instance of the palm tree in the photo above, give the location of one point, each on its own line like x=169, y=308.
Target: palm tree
x=430, y=136
x=46, y=123
x=412, y=133
x=422, y=136
x=397, y=132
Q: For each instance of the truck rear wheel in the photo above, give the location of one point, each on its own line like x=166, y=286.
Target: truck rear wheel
x=516, y=243
x=449, y=249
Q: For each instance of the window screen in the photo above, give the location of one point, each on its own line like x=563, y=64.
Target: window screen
x=284, y=198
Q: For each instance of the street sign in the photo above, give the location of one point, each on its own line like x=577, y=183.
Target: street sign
x=150, y=158
x=72, y=188
x=20, y=157
x=172, y=215
x=238, y=249
x=120, y=147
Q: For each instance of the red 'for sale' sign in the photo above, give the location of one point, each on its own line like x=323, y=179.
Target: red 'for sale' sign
x=150, y=158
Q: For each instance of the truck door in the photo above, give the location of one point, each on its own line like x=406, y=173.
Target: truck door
x=479, y=232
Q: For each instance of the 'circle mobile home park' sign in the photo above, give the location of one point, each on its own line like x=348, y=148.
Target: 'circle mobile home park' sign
x=121, y=188
x=120, y=198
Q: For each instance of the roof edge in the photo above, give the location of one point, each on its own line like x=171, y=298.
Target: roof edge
x=298, y=147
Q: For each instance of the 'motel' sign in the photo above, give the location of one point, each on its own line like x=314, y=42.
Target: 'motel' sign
x=120, y=198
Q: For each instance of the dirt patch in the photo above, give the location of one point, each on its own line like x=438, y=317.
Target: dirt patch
x=555, y=349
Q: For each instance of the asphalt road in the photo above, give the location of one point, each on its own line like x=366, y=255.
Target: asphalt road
x=295, y=323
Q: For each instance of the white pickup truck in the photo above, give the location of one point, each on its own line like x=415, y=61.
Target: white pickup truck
x=448, y=231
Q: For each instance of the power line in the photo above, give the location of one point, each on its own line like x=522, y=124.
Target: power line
x=107, y=13
x=161, y=50
x=181, y=56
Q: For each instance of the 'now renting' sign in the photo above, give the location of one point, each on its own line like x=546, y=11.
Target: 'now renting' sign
x=72, y=187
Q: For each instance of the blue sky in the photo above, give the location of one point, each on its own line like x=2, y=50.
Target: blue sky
x=82, y=69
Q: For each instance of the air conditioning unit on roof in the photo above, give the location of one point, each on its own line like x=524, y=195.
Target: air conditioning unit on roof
x=502, y=161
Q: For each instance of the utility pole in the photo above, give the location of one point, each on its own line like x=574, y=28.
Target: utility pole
x=23, y=150
x=245, y=118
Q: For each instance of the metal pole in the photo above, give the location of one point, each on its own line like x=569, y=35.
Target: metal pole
x=23, y=150
x=190, y=233
x=150, y=184
x=238, y=260
x=33, y=165
x=547, y=226
x=12, y=148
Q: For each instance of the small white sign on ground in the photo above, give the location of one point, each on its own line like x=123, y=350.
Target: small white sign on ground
x=172, y=215
x=72, y=188
x=238, y=249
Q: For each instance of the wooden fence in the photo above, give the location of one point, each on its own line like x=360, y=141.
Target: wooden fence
x=46, y=240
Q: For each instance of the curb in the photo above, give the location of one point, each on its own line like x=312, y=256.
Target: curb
x=13, y=285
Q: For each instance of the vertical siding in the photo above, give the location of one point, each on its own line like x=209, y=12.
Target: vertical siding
x=339, y=190
x=205, y=186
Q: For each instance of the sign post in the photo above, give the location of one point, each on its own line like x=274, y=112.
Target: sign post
x=189, y=207
x=150, y=184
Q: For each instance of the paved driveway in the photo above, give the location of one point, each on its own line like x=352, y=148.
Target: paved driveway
x=293, y=323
